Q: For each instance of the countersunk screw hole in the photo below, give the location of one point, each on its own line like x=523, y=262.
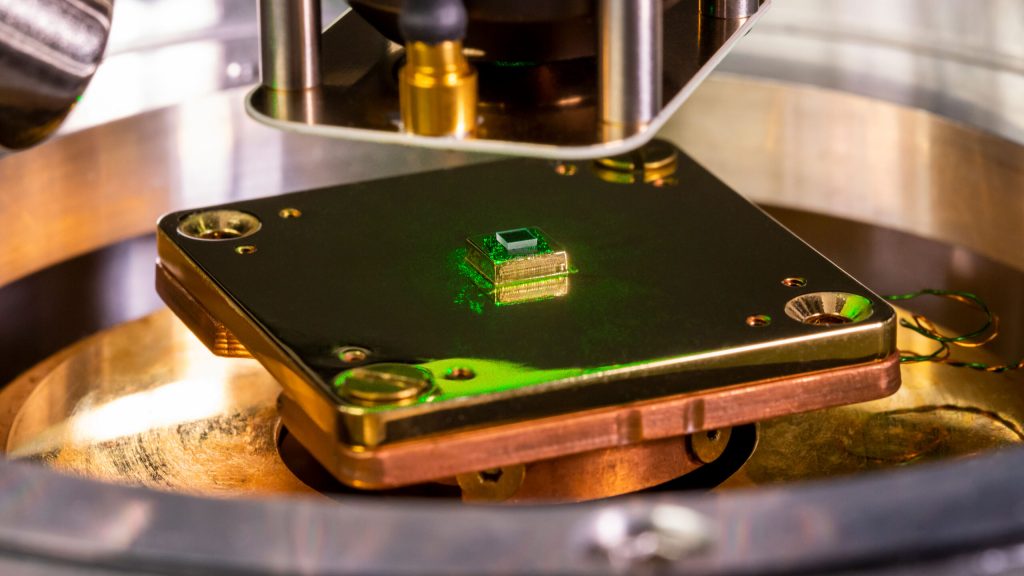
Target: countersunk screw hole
x=287, y=213
x=825, y=309
x=218, y=225
x=795, y=282
x=245, y=250
x=759, y=320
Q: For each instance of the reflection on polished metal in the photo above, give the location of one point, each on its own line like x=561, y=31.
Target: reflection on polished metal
x=290, y=44
x=146, y=404
x=208, y=329
x=49, y=50
x=829, y=308
x=729, y=8
x=359, y=100
x=791, y=145
x=428, y=307
x=629, y=64
x=383, y=384
x=775, y=143
x=636, y=540
x=653, y=162
x=616, y=430
x=940, y=412
x=218, y=225
x=960, y=60
x=437, y=90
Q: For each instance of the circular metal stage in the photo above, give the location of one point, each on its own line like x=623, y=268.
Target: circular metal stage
x=131, y=450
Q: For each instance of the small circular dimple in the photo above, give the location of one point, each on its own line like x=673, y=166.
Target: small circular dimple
x=829, y=308
x=758, y=320
x=460, y=373
x=218, y=225
x=245, y=250
x=353, y=354
x=288, y=213
x=795, y=282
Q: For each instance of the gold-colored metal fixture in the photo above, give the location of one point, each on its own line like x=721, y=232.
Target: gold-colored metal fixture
x=431, y=376
x=654, y=163
x=438, y=90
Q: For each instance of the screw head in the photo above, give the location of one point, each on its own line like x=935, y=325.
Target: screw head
x=707, y=446
x=385, y=383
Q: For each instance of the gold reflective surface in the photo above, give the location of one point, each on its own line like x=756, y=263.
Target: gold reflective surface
x=146, y=403
x=939, y=412
x=787, y=145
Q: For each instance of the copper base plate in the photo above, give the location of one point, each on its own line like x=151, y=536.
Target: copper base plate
x=618, y=427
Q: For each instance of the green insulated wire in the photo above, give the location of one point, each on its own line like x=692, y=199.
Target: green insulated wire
x=987, y=332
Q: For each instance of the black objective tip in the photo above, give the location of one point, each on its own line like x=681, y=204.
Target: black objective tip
x=433, y=21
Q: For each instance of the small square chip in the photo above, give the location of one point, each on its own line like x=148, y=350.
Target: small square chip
x=515, y=256
x=518, y=240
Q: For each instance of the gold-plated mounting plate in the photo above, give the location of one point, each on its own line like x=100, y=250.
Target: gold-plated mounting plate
x=665, y=280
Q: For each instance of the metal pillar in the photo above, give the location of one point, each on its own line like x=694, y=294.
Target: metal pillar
x=290, y=44
x=630, y=61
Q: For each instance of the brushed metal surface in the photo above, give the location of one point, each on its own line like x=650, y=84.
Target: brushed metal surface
x=957, y=58
x=859, y=158
x=146, y=404
x=49, y=50
x=961, y=59
x=290, y=44
x=358, y=99
x=630, y=62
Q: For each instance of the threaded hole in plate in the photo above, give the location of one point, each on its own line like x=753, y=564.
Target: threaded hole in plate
x=759, y=320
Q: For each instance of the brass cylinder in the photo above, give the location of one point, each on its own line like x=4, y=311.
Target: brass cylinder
x=438, y=90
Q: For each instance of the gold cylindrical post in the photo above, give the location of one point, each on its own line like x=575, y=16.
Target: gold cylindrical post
x=438, y=90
